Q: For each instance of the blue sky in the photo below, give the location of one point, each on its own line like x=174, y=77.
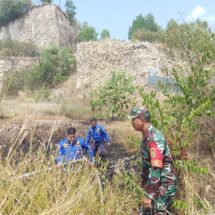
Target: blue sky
x=117, y=15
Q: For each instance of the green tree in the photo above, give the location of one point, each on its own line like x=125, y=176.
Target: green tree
x=70, y=10
x=87, y=33
x=115, y=95
x=192, y=40
x=146, y=23
x=202, y=24
x=137, y=24
x=13, y=9
x=150, y=24
x=172, y=24
x=105, y=34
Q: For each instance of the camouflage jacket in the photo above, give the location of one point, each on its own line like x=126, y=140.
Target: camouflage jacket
x=158, y=175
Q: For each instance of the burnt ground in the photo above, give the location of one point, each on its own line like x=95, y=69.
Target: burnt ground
x=46, y=133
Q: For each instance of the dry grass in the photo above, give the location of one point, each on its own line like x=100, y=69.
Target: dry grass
x=76, y=109
x=75, y=190
x=123, y=133
x=28, y=107
x=57, y=191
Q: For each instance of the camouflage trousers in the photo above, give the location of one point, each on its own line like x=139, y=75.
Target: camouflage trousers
x=159, y=206
x=162, y=204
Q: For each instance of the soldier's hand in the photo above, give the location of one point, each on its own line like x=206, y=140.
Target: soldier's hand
x=147, y=203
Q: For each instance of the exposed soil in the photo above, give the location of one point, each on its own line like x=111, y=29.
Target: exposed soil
x=48, y=132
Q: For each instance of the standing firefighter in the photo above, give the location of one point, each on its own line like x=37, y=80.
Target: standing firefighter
x=100, y=137
x=71, y=148
x=158, y=177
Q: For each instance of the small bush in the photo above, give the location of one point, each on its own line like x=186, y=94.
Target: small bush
x=115, y=95
x=54, y=67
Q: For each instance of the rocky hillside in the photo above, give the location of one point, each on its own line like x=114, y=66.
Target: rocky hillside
x=42, y=26
x=96, y=61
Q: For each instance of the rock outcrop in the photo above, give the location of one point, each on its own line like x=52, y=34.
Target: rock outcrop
x=96, y=61
x=42, y=25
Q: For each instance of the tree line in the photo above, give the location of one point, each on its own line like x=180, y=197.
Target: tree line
x=185, y=36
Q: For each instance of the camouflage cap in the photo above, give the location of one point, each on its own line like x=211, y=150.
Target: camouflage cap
x=141, y=112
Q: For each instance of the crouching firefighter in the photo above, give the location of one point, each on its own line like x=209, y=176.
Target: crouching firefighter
x=72, y=148
x=100, y=139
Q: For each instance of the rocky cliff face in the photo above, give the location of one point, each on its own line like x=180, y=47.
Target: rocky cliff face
x=96, y=61
x=42, y=26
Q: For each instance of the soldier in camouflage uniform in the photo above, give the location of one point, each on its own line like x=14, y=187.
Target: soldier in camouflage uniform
x=158, y=177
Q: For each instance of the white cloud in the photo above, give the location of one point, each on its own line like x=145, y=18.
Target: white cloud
x=197, y=12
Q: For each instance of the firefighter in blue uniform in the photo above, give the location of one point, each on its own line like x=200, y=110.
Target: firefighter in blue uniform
x=71, y=148
x=100, y=138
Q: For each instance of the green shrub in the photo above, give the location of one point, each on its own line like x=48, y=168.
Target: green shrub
x=115, y=95
x=13, y=9
x=179, y=117
x=194, y=40
x=182, y=110
x=55, y=65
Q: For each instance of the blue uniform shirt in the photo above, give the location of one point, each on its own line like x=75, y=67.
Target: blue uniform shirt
x=69, y=151
x=98, y=133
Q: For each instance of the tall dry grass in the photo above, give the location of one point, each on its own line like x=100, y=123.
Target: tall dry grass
x=70, y=190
